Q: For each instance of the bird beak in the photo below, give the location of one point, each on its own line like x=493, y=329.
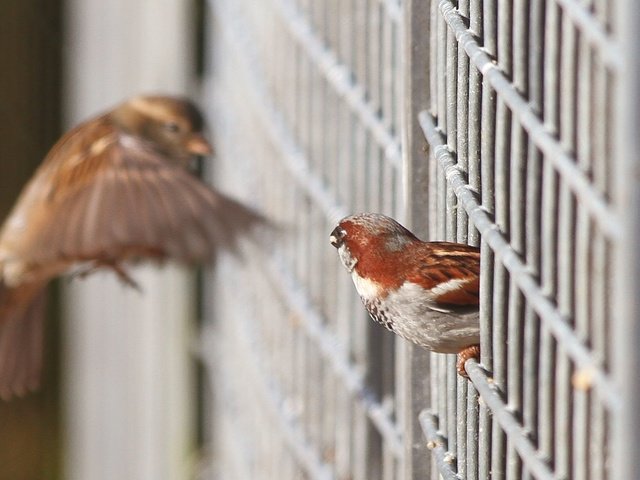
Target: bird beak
x=197, y=145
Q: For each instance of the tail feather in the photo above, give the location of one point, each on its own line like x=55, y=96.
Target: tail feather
x=229, y=222
x=21, y=339
x=239, y=220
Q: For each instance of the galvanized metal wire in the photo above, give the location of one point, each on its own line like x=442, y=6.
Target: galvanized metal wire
x=489, y=123
x=322, y=116
x=532, y=184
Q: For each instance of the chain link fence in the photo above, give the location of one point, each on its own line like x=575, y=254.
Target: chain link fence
x=491, y=123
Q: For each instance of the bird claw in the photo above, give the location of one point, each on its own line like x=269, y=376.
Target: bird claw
x=121, y=273
x=124, y=277
x=464, y=355
x=82, y=271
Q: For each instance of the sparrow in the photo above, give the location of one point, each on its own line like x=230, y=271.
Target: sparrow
x=114, y=189
x=426, y=292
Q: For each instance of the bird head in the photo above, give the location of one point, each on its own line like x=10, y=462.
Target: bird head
x=172, y=125
x=370, y=238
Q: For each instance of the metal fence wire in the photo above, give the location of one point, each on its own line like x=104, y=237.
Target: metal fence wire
x=487, y=122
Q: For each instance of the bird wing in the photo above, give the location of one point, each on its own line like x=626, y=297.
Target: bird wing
x=451, y=272
x=115, y=197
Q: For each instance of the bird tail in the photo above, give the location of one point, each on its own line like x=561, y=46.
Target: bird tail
x=230, y=221
x=22, y=312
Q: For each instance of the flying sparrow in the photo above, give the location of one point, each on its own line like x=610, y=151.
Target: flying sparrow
x=426, y=292
x=116, y=188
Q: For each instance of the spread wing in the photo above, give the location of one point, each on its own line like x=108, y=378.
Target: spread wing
x=451, y=272
x=116, y=197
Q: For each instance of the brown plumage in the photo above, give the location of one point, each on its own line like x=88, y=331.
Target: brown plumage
x=114, y=188
x=426, y=292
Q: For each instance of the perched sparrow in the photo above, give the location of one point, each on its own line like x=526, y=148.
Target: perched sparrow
x=113, y=189
x=426, y=292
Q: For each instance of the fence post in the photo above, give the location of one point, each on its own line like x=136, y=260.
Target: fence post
x=626, y=461
x=413, y=367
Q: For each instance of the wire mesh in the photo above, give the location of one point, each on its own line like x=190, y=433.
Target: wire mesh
x=487, y=123
x=306, y=101
x=518, y=124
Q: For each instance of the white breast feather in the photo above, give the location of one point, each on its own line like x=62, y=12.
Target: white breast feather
x=367, y=289
x=347, y=259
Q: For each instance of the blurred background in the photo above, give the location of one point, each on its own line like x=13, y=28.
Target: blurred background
x=124, y=407
x=30, y=121
x=511, y=125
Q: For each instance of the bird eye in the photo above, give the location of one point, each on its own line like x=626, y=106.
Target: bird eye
x=172, y=127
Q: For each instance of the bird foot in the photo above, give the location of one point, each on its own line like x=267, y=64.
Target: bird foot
x=124, y=276
x=87, y=269
x=464, y=355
